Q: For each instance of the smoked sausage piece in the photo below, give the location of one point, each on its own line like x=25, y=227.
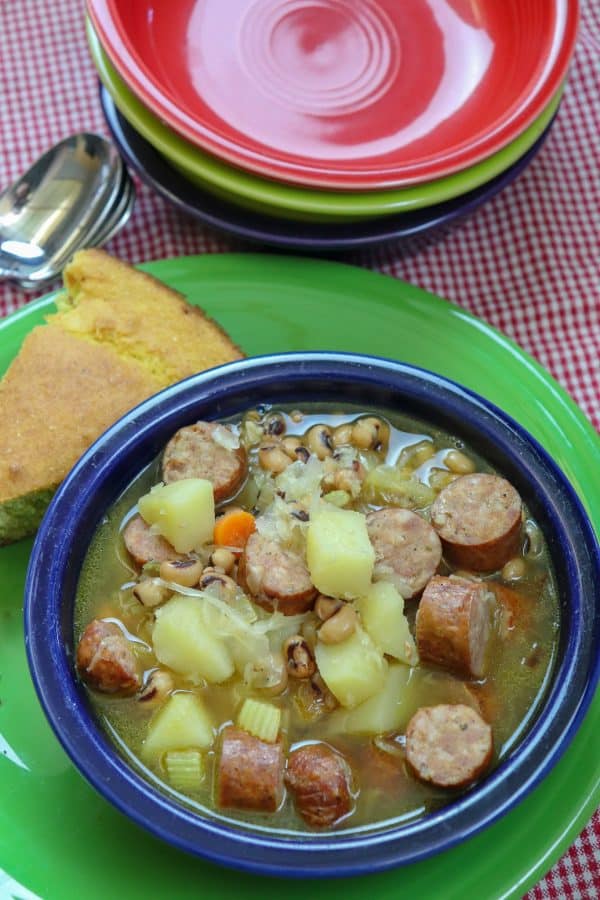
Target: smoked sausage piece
x=277, y=579
x=143, y=546
x=448, y=745
x=407, y=549
x=319, y=779
x=453, y=624
x=106, y=660
x=250, y=772
x=196, y=452
x=478, y=518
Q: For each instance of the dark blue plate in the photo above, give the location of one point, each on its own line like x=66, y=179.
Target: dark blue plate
x=406, y=229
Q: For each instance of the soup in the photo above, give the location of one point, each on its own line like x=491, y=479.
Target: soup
x=314, y=619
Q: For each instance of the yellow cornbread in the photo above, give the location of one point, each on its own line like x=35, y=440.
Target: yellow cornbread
x=118, y=337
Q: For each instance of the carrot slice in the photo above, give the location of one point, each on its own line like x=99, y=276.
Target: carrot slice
x=234, y=528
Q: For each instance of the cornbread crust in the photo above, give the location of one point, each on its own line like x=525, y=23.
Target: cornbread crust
x=119, y=337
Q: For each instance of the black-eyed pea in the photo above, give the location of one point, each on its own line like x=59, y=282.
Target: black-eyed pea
x=274, y=424
x=268, y=675
x=535, y=541
x=340, y=626
x=273, y=459
x=371, y=433
x=150, y=592
x=223, y=559
x=514, y=569
x=342, y=435
x=299, y=659
x=325, y=607
x=440, y=478
x=219, y=583
x=296, y=416
x=185, y=572
x=459, y=463
x=290, y=445
x=157, y=688
x=318, y=441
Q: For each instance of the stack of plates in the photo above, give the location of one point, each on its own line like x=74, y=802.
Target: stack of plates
x=330, y=124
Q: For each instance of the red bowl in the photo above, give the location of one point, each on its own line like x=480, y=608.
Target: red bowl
x=339, y=93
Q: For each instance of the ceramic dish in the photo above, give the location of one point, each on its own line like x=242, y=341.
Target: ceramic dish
x=335, y=94
x=407, y=230
x=286, y=201
x=267, y=303
x=99, y=478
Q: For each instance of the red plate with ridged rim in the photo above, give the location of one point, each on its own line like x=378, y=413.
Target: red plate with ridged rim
x=348, y=94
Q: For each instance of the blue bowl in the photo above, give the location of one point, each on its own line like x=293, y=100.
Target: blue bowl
x=135, y=440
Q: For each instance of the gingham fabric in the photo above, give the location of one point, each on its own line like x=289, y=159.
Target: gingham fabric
x=527, y=262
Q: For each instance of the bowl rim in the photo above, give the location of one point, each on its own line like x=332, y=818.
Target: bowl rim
x=563, y=24
x=63, y=699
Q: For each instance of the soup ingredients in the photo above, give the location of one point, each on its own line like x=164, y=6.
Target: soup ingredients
x=183, y=723
x=319, y=779
x=407, y=549
x=478, y=518
x=144, y=546
x=454, y=623
x=183, y=512
x=157, y=688
x=232, y=530
x=339, y=554
x=299, y=659
x=277, y=579
x=207, y=451
x=382, y=615
x=186, y=572
x=309, y=633
x=110, y=345
x=250, y=772
x=105, y=659
x=263, y=720
x=339, y=626
x=448, y=745
x=353, y=670
x=185, y=643
x=185, y=770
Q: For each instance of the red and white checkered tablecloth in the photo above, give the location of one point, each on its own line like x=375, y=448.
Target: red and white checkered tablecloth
x=528, y=262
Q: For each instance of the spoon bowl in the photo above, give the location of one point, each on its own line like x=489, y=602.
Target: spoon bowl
x=75, y=194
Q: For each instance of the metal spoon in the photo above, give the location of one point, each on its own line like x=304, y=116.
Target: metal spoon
x=99, y=233
x=49, y=212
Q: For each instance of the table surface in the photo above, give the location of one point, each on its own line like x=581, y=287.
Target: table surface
x=527, y=262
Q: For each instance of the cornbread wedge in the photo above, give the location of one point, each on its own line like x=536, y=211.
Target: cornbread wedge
x=118, y=337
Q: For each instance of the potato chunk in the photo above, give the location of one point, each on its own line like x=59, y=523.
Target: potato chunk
x=182, y=723
x=353, y=670
x=182, y=511
x=339, y=554
x=389, y=710
x=184, y=642
x=382, y=615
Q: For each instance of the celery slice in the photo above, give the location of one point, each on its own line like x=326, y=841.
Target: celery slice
x=185, y=769
x=260, y=719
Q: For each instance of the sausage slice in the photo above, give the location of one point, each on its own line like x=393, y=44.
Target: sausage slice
x=196, y=452
x=278, y=579
x=407, y=549
x=319, y=779
x=448, y=745
x=106, y=660
x=144, y=546
x=453, y=624
x=250, y=772
x=478, y=518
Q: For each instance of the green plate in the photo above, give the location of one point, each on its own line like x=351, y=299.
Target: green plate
x=284, y=200
x=59, y=839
